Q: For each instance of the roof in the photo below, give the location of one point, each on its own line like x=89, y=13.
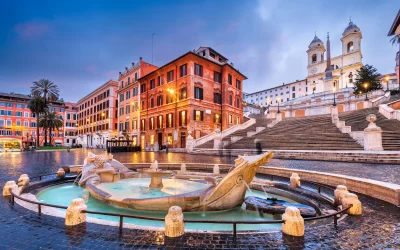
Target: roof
x=212, y=50
x=276, y=87
x=395, y=24
x=192, y=53
x=349, y=27
x=316, y=40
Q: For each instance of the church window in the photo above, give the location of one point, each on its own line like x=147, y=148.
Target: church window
x=350, y=47
x=314, y=58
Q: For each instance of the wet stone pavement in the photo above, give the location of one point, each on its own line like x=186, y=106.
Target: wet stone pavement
x=377, y=228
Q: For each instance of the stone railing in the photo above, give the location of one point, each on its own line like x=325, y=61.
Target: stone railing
x=389, y=112
x=226, y=132
x=381, y=99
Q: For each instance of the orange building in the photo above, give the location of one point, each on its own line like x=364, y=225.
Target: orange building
x=18, y=123
x=97, y=116
x=128, y=90
x=198, y=91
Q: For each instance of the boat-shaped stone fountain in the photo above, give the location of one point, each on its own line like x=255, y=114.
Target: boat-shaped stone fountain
x=110, y=181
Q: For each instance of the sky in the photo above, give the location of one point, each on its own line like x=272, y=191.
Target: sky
x=80, y=45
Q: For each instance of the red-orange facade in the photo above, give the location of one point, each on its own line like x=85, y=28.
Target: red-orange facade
x=198, y=92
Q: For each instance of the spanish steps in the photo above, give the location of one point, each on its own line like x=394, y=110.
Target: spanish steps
x=391, y=128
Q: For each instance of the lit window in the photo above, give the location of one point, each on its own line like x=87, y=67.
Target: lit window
x=169, y=139
x=151, y=139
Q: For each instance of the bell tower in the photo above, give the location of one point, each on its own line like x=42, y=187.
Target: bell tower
x=315, y=51
x=351, y=39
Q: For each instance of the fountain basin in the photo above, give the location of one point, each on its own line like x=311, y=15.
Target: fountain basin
x=156, y=176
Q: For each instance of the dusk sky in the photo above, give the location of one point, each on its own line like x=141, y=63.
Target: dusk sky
x=80, y=45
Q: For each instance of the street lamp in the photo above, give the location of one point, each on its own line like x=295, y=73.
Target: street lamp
x=334, y=96
x=278, y=99
x=268, y=102
x=366, y=92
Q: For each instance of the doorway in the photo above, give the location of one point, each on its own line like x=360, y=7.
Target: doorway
x=183, y=140
x=160, y=141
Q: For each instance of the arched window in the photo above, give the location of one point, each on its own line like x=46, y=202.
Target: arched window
x=230, y=100
x=350, y=47
x=334, y=84
x=237, y=103
x=314, y=58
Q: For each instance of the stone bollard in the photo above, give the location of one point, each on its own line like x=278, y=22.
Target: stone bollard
x=294, y=223
x=339, y=194
x=183, y=168
x=23, y=180
x=352, y=199
x=372, y=135
x=295, y=180
x=174, y=226
x=74, y=216
x=60, y=173
x=6, y=188
x=216, y=169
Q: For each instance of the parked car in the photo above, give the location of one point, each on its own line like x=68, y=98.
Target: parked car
x=58, y=144
x=76, y=145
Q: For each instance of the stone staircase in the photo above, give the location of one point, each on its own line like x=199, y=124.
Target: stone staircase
x=391, y=128
x=300, y=133
x=261, y=123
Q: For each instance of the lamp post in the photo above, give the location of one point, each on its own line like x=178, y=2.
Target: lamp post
x=268, y=103
x=278, y=99
x=334, y=96
x=366, y=92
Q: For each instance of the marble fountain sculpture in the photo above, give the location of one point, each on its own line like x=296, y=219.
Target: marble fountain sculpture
x=101, y=170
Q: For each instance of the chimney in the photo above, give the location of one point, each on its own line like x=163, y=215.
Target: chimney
x=232, y=64
x=126, y=68
x=133, y=64
x=120, y=74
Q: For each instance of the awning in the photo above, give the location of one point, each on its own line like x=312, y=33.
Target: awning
x=57, y=141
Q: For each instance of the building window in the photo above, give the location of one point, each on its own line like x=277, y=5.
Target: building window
x=122, y=85
x=170, y=76
x=182, y=93
x=159, y=100
x=121, y=111
x=198, y=93
x=127, y=109
x=170, y=120
x=18, y=113
x=136, y=76
x=217, y=118
x=135, y=91
x=238, y=84
x=134, y=124
x=230, y=100
x=183, y=70
x=129, y=80
x=230, y=79
x=350, y=47
x=217, y=77
x=230, y=119
x=160, y=121
x=121, y=97
x=128, y=94
x=143, y=106
x=237, y=103
x=182, y=118
x=143, y=125
x=151, y=123
x=169, y=139
x=217, y=98
x=151, y=139
x=314, y=58
x=160, y=80
x=143, y=88
x=152, y=103
x=152, y=83
x=198, y=70
x=169, y=98
x=198, y=115
x=237, y=120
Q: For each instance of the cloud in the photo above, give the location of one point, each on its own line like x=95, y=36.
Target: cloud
x=31, y=29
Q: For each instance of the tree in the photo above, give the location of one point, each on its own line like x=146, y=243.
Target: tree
x=49, y=92
x=37, y=106
x=47, y=89
x=50, y=120
x=367, y=79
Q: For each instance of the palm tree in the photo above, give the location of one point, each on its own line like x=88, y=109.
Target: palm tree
x=37, y=106
x=47, y=89
x=54, y=123
x=50, y=120
x=49, y=92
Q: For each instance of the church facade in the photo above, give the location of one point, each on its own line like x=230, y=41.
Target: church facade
x=341, y=71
